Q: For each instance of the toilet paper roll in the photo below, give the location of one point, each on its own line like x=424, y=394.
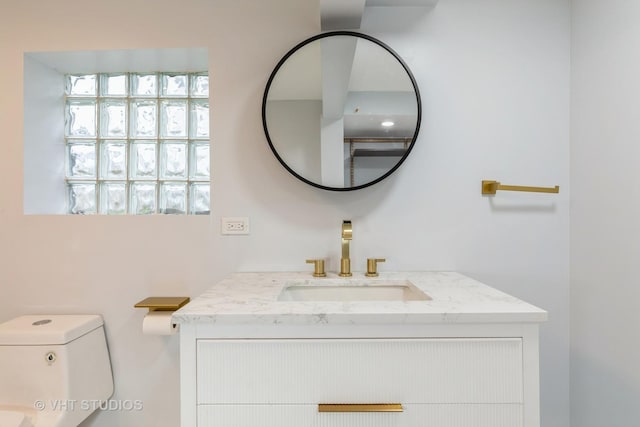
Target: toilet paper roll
x=158, y=323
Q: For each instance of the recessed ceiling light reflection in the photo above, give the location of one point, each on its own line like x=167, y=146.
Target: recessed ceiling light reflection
x=387, y=123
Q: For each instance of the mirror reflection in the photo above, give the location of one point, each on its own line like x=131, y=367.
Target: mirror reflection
x=341, y=111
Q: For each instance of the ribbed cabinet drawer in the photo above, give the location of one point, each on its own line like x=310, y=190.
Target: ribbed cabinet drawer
x=459, y=415
x=407, y=371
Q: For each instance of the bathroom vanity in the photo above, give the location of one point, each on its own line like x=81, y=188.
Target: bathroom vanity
x=402, y=349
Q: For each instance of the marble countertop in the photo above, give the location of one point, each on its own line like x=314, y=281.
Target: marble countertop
x=252, y=298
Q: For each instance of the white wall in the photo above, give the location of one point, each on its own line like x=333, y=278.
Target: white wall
x=605, y=214
x=494, y=76
x=43, y=144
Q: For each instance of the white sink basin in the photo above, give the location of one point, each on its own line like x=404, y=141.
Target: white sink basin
x=394, y=290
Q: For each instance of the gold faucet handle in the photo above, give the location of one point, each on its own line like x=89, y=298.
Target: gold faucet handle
x=372, y=266
x=318, y=270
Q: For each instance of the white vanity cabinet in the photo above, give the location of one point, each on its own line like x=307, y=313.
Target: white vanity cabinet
x=280, y=383
x=278, y=364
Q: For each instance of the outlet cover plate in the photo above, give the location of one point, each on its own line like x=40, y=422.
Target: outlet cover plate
x=234, y=225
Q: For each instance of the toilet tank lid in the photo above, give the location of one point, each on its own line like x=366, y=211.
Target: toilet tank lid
x=47, y=329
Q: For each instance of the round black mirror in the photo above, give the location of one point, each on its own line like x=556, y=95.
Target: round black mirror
x=341, y=111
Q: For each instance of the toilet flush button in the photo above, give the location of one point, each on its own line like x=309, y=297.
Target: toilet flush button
x=41, y=322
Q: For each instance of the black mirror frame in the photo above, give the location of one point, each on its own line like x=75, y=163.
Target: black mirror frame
x=332, y=34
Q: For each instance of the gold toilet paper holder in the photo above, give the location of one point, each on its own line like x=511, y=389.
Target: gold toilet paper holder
x=162, y=303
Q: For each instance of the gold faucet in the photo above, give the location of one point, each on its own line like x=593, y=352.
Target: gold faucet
x=345, y=261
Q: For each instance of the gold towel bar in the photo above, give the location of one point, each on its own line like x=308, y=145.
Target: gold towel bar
x=360, y=407
x=490, y=187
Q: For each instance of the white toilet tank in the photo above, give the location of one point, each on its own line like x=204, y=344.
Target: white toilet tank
x=54, y=369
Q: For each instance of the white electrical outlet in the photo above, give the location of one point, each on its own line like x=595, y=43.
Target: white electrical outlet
x=234, y=225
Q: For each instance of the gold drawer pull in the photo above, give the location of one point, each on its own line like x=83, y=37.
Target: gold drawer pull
x=360, y=407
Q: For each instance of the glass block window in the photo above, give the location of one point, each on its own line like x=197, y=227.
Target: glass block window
x=137, y=143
